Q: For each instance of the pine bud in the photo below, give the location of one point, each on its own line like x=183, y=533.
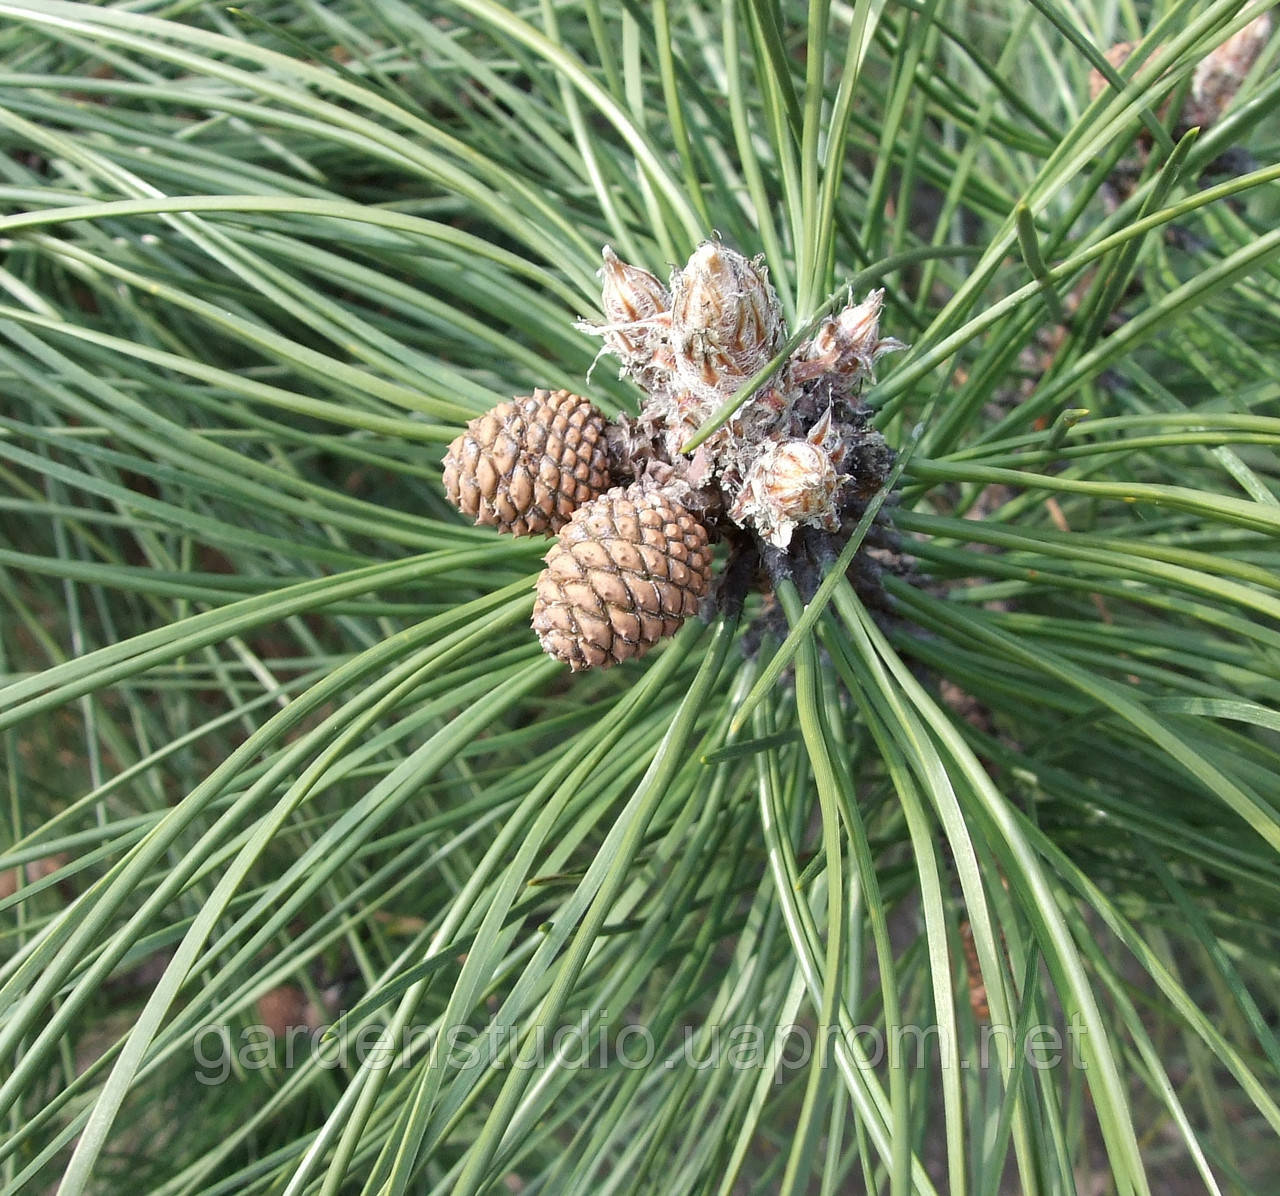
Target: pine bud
x=630, y=294
x=527, y=465
x=637, y=313
x=725, y=319
x=627, y=570
x=791, y=483
x=847, y=344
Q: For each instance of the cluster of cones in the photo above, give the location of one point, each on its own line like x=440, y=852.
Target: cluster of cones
x=634, y=515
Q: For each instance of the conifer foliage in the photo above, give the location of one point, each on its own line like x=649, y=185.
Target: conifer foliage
x=886, y=391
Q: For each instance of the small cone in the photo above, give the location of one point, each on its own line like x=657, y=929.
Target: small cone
x=527, y=465
x=626, y=571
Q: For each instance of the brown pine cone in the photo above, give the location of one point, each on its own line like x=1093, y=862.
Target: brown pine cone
x=527, y=465
x=627, y=570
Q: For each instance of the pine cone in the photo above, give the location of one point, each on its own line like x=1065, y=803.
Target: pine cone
x=626, y=571
x=527, y=465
